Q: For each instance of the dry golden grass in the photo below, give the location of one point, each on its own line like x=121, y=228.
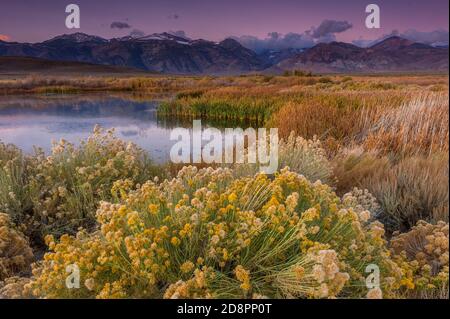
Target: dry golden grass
x=418, y=126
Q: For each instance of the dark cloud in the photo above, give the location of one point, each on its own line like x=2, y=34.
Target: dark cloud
x=276, y=41
x=325, y=32
x=436, y=37
x=120, y=25
x=329, y=27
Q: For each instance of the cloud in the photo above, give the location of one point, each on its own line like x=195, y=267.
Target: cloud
x=325, y=32
x=136, y=33
x=433, y=37
x=4, y=37
x=329, y=27
x=180, y=33
x=120, y=25
x=276, y=41
x=436, y=37
x=363, y=43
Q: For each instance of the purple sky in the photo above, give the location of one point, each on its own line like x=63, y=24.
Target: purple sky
x=38, y=20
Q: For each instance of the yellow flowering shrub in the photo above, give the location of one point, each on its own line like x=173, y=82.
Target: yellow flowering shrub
x=15, y=253
x=422, y=253
x=206, y=234
x=67, y=185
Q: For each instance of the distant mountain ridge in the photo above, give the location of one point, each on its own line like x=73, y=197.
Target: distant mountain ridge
x=164, y=53
x=394, y=54
x=169, y=53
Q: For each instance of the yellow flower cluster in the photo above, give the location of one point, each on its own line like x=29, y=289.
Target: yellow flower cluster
x=193, y=288
x=422, y=253
x=207, y=234
x=316, y=275
x=362, y=201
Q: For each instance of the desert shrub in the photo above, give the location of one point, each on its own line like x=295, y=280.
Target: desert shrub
x=422, y=254
x=67, y=185
x=14, y=196
x=305, y=157
x=15, y=288
x=362, y=200
x=15, y=253
x=414, y=189
x=206, y=234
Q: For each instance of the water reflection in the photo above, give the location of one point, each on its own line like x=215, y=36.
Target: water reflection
x=37, y=120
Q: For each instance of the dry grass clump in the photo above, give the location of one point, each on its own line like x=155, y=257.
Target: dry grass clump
x=206, y=234
x=419, y=126
x=414, y=189
x=408, y=190
x=354, y=165
x=15, y=253
x=423, y=255
x=334, y=115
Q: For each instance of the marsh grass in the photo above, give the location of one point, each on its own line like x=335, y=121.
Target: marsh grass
x=419, y=126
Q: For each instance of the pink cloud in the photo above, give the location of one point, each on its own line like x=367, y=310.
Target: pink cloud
x=4, y=37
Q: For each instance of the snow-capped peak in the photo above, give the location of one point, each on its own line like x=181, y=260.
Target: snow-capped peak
x=165, y=36
x=78, y=37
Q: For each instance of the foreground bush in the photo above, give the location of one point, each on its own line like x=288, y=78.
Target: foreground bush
x=66, y=186
x=205, y=234
x=14, y=196
x=423, y=255
x=15, y=253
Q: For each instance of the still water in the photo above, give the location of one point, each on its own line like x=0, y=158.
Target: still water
x=36, y=120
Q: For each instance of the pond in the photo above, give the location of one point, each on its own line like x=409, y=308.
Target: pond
x=37, y=120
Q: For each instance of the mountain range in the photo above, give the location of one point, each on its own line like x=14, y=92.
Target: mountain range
x=168, y=53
